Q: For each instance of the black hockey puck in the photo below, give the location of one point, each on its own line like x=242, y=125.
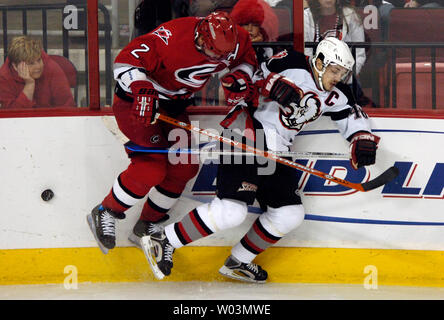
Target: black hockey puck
x=47, y=195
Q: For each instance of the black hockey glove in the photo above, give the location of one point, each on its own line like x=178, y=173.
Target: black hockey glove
x=363, y=147
x=281, y=89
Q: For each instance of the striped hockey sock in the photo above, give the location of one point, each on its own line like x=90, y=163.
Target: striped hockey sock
x=158, y=203
x=257, y=239
x=120, y=198
x=189, y=229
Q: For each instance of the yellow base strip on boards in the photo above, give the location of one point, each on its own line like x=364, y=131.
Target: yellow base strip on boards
x=284, y=264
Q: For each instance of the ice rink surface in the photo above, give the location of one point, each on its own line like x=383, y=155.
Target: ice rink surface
x=216, y=291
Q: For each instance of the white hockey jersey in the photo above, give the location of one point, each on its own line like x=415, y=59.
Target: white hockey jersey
x=281, y=125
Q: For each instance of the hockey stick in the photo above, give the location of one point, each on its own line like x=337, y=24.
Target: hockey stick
x=213, y=152
x=387, y=176
x=111, y=125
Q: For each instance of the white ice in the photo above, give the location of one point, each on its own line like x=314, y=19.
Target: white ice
x=215, y=291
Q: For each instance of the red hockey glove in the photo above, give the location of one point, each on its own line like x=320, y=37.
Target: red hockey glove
x=363, y=147
x=237, y=87
x=146, y=102
x=281, y=89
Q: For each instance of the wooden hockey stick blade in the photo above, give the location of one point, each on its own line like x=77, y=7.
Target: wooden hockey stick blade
x=370, y=185
x=385, y=177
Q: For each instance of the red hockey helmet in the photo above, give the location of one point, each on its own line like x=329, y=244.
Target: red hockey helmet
x=219, y=34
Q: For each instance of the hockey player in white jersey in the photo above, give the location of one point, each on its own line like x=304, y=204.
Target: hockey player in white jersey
x=294, y=90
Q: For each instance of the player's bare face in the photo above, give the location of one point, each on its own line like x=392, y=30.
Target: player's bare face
x=333, y=75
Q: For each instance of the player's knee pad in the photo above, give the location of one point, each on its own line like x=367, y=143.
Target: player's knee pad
x=280, y=221
x=223, y=214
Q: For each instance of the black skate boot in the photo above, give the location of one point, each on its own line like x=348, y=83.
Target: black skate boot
x=103, y=226
x=249, y=272
x=159, y=253
x=141, y=229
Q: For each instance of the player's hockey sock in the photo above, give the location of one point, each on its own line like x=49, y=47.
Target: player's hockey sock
x=158, y=203
x=257, y=239
x=121, y=198
x=189, y=229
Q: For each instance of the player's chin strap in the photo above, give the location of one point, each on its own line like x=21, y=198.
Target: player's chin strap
x=380, y=180
x=319, y=72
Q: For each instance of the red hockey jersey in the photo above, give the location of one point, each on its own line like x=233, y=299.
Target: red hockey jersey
x=171, y=61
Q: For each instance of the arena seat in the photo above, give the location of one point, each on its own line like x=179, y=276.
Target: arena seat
x=70, y=71
x=423, y=83
x=408, y=25
x=417, y=25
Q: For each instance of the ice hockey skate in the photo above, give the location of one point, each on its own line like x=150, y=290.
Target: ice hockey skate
x=142, y=228
x=102, y=223
x=248, y=272
x=159, y=253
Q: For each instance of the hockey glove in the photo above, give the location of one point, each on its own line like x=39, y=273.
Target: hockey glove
x=281, y=89
x=237, y=87
x=363, y=147
x=146, y=102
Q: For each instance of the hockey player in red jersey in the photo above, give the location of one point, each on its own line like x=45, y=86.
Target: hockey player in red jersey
x=159, y=72
x=295, y=91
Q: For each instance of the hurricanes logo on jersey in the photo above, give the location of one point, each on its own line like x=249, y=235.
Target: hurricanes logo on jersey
x=295, y=116
x=195, y=76
x=279, y=55
x=163, y=34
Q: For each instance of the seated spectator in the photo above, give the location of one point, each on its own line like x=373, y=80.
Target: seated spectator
x=30, y=78
x=259, y=19
x=339, y=19
x=423, y=4
x=336, y=18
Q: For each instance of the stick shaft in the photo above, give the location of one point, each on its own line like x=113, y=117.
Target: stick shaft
x=265, y=154
x=211, y=152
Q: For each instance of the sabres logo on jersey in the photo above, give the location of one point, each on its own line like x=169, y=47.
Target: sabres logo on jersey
x=163, y=34
x=296, y=116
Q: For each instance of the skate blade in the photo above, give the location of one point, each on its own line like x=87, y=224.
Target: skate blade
x=233, y=275
x=92, y=227
x=147, y=247
x=135, y=240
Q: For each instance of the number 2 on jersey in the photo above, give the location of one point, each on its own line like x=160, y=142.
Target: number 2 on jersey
x=145, y=49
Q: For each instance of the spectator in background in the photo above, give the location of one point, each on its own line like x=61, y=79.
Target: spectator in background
x=339, y=19
x=334, y=18
x=30, y=78
x=423, y=4
x=259, y=19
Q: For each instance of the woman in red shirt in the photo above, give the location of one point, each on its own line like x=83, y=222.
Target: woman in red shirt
x=29, y=78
